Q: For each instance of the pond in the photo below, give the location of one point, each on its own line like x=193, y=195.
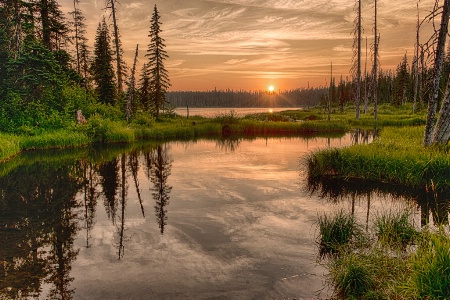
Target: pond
x=205, y=219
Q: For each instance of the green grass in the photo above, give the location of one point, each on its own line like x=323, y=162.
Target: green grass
x=62, y=138
x=9, y=146
x=394, y=230
x=396, y=156
x=376, y=270
x=430, y=265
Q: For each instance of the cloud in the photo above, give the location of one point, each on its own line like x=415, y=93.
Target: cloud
x=235, y=61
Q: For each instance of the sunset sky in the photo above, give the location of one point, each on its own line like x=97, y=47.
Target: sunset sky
x=252, y=44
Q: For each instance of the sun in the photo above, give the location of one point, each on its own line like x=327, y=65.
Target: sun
x=271, y=88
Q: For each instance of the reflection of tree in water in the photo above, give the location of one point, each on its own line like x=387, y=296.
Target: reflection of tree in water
x=430, y=202
x=123, y=196
x=134, y=166
x=90, y=195
x=228, y=144
x=160, y=171
x=363, y=136
x=110, y=183
x=37, y=229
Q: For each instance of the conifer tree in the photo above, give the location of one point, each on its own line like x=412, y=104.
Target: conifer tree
x=102, y=68
x=156, y=54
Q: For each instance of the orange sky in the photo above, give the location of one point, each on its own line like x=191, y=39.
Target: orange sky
x=251, y=44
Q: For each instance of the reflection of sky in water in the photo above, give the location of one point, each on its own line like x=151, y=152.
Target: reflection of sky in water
x=239, y=226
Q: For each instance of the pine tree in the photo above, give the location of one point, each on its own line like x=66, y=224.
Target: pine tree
x=159, y=78
x=102, y=68
x=53, y=28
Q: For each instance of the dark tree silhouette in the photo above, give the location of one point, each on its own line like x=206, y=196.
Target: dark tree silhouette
x=102, y=69
x=156, y=54
x=160, y=172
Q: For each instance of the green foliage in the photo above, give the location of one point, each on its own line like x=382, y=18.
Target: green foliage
x=102, y=68
x=100, y=130
x=143, y=119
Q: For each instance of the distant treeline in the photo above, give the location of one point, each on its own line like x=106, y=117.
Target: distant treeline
x=302, y=97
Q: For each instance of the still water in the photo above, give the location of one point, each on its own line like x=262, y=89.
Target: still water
x=206, y=219
x=238, y=112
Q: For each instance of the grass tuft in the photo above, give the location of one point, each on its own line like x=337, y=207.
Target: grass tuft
x=336, y=233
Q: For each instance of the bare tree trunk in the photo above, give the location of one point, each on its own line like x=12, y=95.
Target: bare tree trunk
x=438, y=67
x=130, y=98
x=416, y=64
x=77, y=47
x=331, y=91
x=366, y=96
x=375, y=66
x=118, y=54
x=358, y=71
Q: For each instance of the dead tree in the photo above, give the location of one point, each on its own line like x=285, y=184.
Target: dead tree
x=431, y=134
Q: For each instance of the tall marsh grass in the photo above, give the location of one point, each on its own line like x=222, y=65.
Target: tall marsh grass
x=396, y=156
x=378, y=270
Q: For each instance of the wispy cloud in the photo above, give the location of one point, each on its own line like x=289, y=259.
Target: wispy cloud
x=301, y=36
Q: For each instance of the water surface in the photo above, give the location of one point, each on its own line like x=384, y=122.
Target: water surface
x=225, y=219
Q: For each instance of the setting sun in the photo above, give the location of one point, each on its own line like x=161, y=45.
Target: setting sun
x=271, y=88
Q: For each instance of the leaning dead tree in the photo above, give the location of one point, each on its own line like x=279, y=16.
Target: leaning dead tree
x=439, y=132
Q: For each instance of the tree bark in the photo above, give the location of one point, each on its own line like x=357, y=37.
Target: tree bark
x=441, y=133
x=438, y=67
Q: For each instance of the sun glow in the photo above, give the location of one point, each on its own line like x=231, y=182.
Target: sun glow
x=271, y=88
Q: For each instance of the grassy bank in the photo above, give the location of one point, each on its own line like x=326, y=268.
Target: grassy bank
x=396, y=156
x=103, y=130
x=393, y=260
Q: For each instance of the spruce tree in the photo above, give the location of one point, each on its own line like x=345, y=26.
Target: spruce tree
x=156, y=54
x=102, y=68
